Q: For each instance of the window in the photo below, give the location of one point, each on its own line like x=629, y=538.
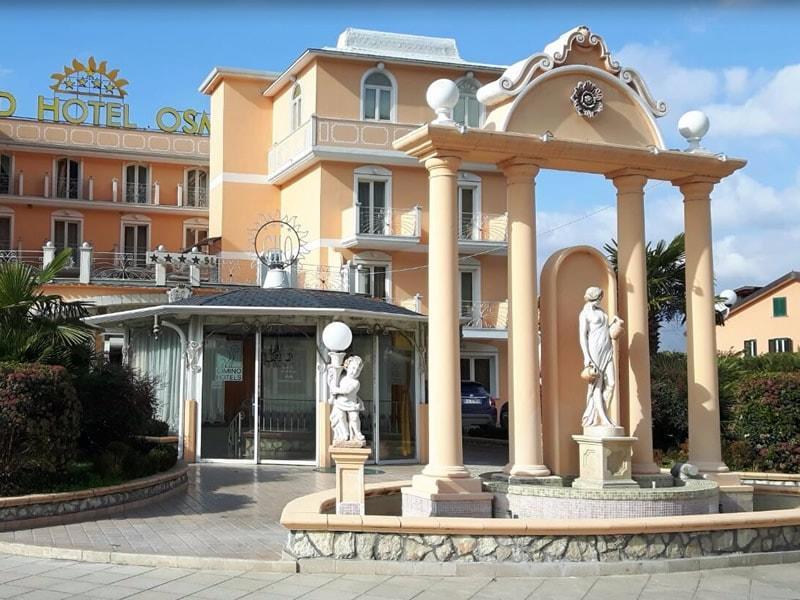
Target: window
x=197, y=187
x=373, y=188
x=67, y=234
x=194, y=235
x=297, y=107
x=377, y=97
x=469, y=206
x=5, y=174
x=136, y=184
x=779, y=306
x=372, y=280
x=781, y=345
x=467, y=110
x=469, y=290
x=750, y=348
x=5, y=232
x=135, y=243
x=477, y=369
x=67, y=178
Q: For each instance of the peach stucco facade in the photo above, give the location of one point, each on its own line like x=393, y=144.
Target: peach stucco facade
x=754, y=326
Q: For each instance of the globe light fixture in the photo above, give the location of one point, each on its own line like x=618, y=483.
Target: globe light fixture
x=337, y=336
x=693, y=126
x=442, y=97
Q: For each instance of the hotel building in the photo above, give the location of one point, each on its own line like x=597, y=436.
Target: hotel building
x=311, y=144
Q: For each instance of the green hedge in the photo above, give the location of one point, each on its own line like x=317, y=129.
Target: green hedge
x=764, y=423
x=39, y=424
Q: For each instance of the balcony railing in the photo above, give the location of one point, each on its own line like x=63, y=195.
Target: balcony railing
x=197, y=198
x=321, y=277
x=34, y=258
x=483, y=227
x=67, y=188
x=334, y=133
x=121, y=266
x=136, y=193
x=485, y=315
x=5, y=184
x=368, y=221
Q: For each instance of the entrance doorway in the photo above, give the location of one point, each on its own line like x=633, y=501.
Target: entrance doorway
x=260, y=396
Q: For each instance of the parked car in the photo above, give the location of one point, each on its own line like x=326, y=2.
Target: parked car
x=477, y=406
x=504, y=416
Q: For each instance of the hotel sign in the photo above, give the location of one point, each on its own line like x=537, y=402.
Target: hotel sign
x=95, y=95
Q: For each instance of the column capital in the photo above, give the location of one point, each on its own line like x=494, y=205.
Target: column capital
x=696, y=187
x=442, y=165
x=628, y=180
x=519, y=171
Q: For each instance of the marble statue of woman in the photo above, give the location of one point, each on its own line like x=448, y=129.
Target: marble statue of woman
x=345, y=417
x=596, y=334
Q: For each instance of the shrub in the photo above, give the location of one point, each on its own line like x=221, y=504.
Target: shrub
x=157, y=428
x=668, y=388
x=764, y=423
x=162, y=458
x=117, y=404
x=39, y=424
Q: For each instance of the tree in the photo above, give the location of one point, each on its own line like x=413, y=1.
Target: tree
x=666, y=283
x=40, y=327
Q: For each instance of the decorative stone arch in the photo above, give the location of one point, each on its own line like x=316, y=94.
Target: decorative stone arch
x=534, y=96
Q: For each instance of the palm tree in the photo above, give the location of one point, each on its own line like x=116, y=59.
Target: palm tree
x=666, y=283
x=35, y=326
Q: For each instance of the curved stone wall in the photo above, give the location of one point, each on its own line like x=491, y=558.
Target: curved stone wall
x=539, y=548
x=693, y=497
x=38, y=510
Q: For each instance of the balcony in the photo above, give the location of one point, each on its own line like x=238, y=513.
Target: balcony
x=380, y=228
x=484, y=320
x=478, y=232
x=342, y=139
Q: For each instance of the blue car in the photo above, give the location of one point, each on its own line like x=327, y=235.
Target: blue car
x=477, y=406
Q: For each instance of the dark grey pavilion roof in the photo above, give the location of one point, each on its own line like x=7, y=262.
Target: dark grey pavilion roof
x=295, y=298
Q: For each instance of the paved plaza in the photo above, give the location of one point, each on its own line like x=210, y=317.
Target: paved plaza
x=49, y=579
x=227, y=512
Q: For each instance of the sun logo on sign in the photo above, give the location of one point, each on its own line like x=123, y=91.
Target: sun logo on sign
x=90, y=79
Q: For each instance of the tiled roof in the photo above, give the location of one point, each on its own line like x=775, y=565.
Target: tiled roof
x=762, y=291
x=294, y=298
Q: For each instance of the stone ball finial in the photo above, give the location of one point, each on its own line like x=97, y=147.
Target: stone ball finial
x=693, y=126
x=442, y=96
x=161, y=248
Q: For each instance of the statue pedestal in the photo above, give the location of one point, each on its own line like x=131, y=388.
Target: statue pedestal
x=349, y=478
x=605, y=458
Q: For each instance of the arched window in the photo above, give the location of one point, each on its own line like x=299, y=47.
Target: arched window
x=468, y=110
x=297, y=106
x=197, y=187
x=377, y=96
x=67, y=178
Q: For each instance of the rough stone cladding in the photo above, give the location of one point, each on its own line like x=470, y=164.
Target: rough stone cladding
x=546, y=548
x=98, y=501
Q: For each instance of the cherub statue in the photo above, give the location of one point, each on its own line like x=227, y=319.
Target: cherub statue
x=596, y=335
x=345, y=418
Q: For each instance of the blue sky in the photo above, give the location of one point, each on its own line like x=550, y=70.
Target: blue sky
x=738, y=60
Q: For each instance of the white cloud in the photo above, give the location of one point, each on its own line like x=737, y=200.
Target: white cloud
x=772, y=110
x=682, y=88
x=736, y=80
x=5, y=72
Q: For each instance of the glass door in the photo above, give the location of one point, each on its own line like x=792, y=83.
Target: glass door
x=227, y=416
x=135, y=244
x=396, y=407
x=287, y=409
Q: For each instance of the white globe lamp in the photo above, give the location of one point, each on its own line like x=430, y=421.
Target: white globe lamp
x=442, y=97
x=728, y=297
x=693, y=126
x=337, y=336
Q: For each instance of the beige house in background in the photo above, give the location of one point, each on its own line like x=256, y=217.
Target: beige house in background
x=765, y=319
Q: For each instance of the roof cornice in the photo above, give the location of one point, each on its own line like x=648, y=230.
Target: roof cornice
x=217, y=74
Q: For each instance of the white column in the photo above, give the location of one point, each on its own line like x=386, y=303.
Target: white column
x=91, y=188
x=47, y=185
x=21, y=184
x=48, y=254
x=85, y=262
